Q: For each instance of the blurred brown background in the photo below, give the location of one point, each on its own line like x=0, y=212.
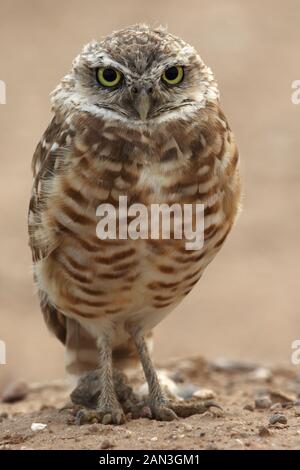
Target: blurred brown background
x=247, y=305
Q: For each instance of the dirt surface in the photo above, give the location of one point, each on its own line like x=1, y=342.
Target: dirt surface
x=261, y=410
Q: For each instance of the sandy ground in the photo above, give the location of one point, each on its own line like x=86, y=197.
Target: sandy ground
x=247, y=305
x=261, y=410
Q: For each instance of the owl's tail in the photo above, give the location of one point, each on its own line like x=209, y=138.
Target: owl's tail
x=81, y=352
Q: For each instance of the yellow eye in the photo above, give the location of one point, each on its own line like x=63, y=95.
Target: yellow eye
x=173, y=75
x=108, y=77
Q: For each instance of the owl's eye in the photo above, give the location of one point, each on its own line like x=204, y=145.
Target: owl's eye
x=108, y=77
x=173, y=75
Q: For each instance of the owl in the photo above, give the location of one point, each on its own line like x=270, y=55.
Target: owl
x=138, y=116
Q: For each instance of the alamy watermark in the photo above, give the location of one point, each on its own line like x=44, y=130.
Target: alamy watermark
x=2, y=92
x=158, y=221
x=295, y=357
x=2, y=353
x=296, y=92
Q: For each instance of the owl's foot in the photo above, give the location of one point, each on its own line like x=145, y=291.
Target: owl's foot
x=172, y=410
x=109, y=415
x=89, y=388
x=184, y=410
x=163, y=412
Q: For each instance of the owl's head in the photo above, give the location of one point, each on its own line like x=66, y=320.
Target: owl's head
x=137, y=75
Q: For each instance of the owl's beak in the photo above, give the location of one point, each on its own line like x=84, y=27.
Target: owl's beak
x=142, y=104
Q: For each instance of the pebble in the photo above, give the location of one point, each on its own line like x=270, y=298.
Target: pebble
x=106, y=444
x=263, y=403
x=249, y=407
x=264, y=432
x=228, y=365
x=93, y=429
x=261, y=374
x=211, y=447
x=15, y=392
x=188, y=427
x=154, y=439
x=38, y=427
x=204, y=393
x=278, y=418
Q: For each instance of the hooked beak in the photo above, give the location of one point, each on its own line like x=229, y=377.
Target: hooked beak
x=142, y=104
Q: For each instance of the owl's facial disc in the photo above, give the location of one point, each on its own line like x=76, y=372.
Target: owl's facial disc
x=138, y=75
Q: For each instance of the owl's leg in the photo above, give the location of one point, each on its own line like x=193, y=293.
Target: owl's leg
x=161, y=407
x=158, y=403
x=108, y=409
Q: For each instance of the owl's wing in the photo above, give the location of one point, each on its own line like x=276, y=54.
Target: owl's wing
x=45, y=164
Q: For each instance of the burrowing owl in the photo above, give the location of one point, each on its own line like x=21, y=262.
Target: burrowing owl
x=138, y=115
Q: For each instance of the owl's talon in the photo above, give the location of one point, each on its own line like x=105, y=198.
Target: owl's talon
x=107, y=416
x=163, y=413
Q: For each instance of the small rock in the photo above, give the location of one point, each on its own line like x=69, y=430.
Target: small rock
x=261, y=374
x=228, y=365
x=188, y=427
x=239, y=434
x=15, y=392
x=211, y=447
x=204, y=394
x=38, y=427
x=3, y=415
x=93, y=429
x=264, y=432
x=106, y=444
x=278, y=418
x=154, y=439
x=202, y=433
x=239, y=442
x=249, y=407
x=263, y=403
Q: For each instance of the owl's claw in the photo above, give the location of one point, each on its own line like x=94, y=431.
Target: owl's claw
x=163, y=413
x=105, y=416
x=184, y=410
x=173, y=410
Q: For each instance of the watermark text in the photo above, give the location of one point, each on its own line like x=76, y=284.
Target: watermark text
x=158, y=221
x=296, y=92
x=2, y=92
